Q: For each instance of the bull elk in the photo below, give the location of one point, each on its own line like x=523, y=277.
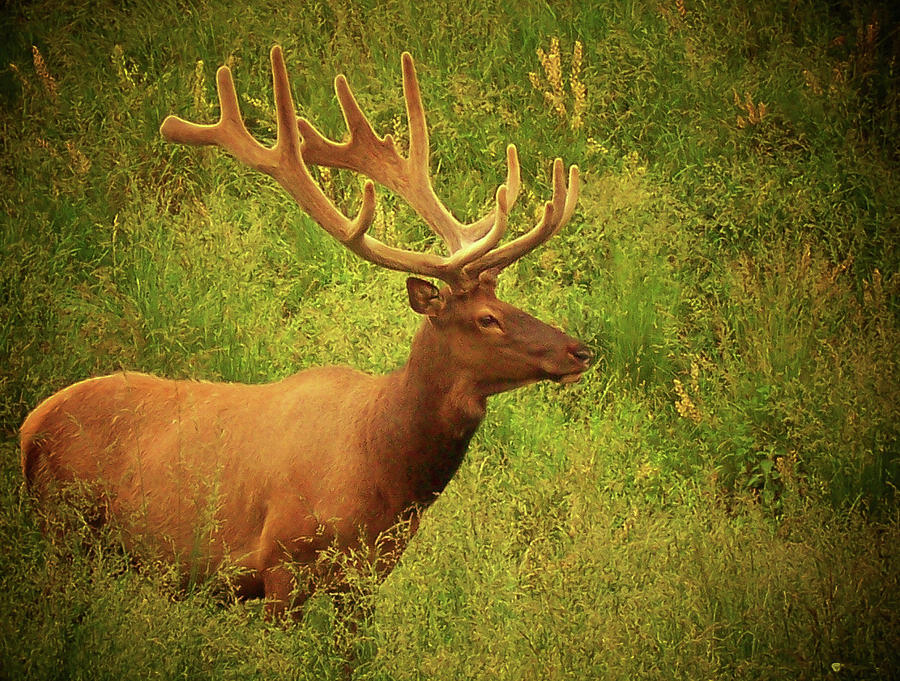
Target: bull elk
x=329, y=457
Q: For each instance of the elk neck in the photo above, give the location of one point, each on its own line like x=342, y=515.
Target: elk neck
x=433, y=408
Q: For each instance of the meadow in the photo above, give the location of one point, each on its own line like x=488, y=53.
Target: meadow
x=716, y=499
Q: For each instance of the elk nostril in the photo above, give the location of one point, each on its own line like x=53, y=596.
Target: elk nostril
x=582, y=354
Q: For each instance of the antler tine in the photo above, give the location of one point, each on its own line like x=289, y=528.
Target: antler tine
x=229, y=132
x=489, y=241
x=477, y=229
x=291, y=172
x=557, y=213
x=419, y=151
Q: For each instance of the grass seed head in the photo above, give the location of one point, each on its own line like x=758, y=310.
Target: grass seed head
x=40, y=67
x=78, y=162
x=554, y=89
x=199, y=87
x=579, y=91
x=684, y=405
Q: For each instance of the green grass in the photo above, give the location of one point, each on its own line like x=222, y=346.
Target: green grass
x=716, y=499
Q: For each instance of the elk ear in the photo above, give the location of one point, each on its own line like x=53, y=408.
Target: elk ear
x=424, y=298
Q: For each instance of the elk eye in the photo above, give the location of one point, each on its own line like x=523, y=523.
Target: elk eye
x=488, y=321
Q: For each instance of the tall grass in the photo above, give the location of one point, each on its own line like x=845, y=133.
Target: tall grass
x=716, y=499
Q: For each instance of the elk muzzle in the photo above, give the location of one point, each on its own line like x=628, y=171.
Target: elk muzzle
x=579, y=357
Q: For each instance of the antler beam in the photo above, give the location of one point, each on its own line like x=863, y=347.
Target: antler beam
x=472, y=247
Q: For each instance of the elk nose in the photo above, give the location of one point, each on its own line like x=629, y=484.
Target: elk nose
x=582, y=354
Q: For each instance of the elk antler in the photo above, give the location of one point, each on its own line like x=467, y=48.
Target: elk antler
x=472, y=247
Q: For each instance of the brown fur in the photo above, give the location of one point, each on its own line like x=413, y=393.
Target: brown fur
x=266, y=474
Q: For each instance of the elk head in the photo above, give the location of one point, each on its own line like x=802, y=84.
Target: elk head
x=501, y=346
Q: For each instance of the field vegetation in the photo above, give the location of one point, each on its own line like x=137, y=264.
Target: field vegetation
x=717, y=499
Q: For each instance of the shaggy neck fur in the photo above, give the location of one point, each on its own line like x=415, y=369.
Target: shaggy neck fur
x=432, y=409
